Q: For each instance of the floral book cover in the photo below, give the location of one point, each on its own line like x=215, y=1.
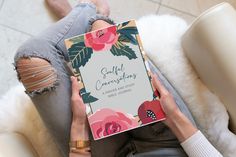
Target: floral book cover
x=115, y=79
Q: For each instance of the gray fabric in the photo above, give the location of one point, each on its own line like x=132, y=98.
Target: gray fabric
x=53, y=104
x=161, y=152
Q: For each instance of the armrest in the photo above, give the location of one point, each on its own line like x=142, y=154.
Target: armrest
x=210, y=46
x=13, y=144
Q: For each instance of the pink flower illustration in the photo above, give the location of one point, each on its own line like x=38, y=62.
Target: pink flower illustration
x=151, y=111
x=102, y=39
x=106, y=122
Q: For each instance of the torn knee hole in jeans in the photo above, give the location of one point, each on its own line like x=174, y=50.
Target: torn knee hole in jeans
x=36, y=74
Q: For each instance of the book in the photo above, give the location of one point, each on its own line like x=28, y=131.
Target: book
x=114, y=79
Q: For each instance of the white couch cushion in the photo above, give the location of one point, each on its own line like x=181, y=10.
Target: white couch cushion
x=211, y=51
x=13, y=145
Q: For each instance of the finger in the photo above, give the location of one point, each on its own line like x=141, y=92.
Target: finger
x=76, y=90
x=156, y=92
x=74, y=86
x=157, y=84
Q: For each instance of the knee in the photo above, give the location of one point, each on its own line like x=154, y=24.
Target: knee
x=36, y=74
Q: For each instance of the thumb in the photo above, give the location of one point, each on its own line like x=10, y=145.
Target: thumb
x=74, y=85
x=158, y=85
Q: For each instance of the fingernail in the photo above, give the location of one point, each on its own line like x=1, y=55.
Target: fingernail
x=157, y=93
x=71, y=78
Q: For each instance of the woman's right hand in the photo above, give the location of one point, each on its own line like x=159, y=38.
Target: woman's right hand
x=166, y=99
x=175, y=119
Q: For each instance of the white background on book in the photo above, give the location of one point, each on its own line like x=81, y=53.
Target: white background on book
x=127, y=96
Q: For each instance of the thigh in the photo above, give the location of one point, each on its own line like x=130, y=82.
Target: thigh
x=162, y=152
x=153, y=137
x=52, y=102
x=75, y=23
x=110, y=146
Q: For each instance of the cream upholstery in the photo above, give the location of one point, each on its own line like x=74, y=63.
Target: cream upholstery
x=15, y=145
x=210, y=44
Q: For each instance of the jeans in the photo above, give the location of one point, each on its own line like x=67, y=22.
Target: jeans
x=53, y=103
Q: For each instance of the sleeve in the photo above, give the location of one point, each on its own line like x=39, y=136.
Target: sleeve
x=198, y=146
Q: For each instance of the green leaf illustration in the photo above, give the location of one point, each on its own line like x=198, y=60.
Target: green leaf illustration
x=125, y=23
x=128, y=30
x=127, y=38
x=79, y=54
x=82, y=91
x=120, y=49
x=87, y=98
x=77, y=39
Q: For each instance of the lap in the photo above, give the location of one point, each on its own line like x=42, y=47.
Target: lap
x=162, y=152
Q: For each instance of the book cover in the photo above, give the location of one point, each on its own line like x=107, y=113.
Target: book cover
x=114, y=79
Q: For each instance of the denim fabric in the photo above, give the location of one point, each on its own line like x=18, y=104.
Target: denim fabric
x=160, y=152
x=53, y=104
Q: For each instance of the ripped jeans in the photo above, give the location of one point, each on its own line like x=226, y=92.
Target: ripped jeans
x=47, y=81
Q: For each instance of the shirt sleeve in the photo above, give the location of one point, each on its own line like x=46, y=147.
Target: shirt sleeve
x=198, y=146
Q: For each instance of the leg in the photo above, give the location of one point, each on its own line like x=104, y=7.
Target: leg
x=42, y=73
x=39, y=74
x=41, y=67
x=61, y=8
x=36, y=74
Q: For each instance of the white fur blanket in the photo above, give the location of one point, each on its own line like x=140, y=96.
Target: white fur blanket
x=161, y=36
x=18, y=114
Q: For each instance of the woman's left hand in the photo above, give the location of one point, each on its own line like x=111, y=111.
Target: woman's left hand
x=79, y=126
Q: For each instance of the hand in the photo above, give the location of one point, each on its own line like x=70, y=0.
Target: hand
x=79, y=126
x=175, y=119
x=166, y=99
x=77, y=105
